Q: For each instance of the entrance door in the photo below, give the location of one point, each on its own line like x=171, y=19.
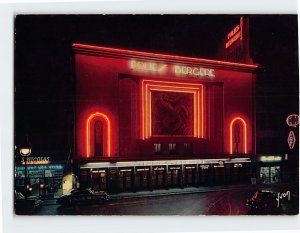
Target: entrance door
x=175, y=173
x=158, y=179
x=190, y=175
x=125, y=179
x=99, y=180
x=142, y=178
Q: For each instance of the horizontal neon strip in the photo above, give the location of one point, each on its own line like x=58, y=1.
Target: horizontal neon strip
x=158, y=55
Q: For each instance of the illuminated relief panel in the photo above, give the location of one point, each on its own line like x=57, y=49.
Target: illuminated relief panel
x=172, y=113
x=187, y=94
x=238, y=136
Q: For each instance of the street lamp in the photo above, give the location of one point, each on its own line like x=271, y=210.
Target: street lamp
x=25, y=152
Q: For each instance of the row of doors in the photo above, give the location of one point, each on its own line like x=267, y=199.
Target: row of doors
x=160, y=178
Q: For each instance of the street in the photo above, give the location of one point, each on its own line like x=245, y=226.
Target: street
x=231, y=202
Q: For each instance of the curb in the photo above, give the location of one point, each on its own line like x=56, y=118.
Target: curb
x=117, y=197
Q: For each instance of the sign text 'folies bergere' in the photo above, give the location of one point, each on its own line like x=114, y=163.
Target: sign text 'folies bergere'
x=178, y=70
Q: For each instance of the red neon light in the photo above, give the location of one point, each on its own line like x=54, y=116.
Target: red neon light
x=291, y=140
x=245, y=133
x=107, y=135
x=151, y=85
x=157, y=55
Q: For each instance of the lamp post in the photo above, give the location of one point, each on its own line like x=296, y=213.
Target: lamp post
x=25, y=152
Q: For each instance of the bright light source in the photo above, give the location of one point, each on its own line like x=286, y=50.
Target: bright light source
x=25, y=151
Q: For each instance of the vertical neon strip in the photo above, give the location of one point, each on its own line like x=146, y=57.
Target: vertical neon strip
x=88, y=133
x=245, y=134
x=150, y=115
x=202, y=112
x=196, y=122
x=143, y=111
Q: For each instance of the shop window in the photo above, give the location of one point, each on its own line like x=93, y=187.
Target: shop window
x=98, y=134
x=173, y=148
x=188, y=149
x=157, y=148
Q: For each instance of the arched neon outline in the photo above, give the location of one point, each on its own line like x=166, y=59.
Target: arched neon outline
x=245, y=133
x=88, y=133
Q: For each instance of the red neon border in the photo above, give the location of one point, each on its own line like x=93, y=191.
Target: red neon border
x=107, y=135
x=148, y=85
x=245, y=133
x=158, y=55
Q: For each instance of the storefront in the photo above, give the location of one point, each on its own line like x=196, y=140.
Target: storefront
x=43, y=180
x=138, y=106
x=272, y=169
x=164, y=174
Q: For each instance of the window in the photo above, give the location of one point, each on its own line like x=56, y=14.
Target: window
x=188, y=148
x=173, y=148
x=157, y=148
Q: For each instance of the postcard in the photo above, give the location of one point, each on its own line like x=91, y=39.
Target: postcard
x=156, y=115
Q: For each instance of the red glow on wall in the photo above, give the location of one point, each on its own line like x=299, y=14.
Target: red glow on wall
x=107, y=133
x=231, y=139
x=150, y=85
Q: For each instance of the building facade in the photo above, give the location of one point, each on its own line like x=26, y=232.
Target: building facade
x=147, y=121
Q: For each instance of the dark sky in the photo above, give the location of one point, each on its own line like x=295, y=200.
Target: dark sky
x=44, y=80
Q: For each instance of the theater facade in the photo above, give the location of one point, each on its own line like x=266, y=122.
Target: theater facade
x=146, y=121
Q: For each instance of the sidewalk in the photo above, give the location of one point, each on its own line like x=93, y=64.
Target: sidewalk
x=187, y=190
x=178, y=191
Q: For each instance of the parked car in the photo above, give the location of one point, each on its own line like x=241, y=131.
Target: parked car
x=264, y=203
x=86, y=196
x=23, y=206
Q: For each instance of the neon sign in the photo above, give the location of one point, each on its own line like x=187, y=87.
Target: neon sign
x=292, y=120
x=194, y=71
x=148, y=67
x=291, y=140
x=107, y=133
x=36, y=160
x=235, y=34
x=231, y=134
x=160, y=68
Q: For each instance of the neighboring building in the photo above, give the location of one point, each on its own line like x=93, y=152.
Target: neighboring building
x=147, y=120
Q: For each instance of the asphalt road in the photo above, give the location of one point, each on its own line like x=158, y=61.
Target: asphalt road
x=230, y=202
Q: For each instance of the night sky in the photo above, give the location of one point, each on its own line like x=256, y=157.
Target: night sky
x=44, y=79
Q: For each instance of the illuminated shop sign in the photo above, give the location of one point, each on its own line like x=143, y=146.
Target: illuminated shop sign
x=148, y=66
x=291, y=140
x=292, y=120
x=36, y=160
x=270, y=158
x=160, y=68
x=235, y=34
x=41, y=167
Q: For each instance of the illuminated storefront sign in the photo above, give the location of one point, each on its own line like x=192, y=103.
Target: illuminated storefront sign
x=36, y=160
x=235, y=34
x=194, y=71
x=271, y=158
x=292, y=120
x=148, y=66
x=291, y=140
x=41, y=167
x=178, y=70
